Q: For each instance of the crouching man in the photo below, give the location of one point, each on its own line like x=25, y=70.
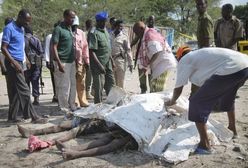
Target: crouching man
x=218, y=73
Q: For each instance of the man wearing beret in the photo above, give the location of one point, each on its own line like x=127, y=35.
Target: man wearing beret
x=100, y=54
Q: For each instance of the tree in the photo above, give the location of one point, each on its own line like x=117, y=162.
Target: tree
x=179, y=14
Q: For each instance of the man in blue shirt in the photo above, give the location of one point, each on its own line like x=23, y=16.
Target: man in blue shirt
x=13, y=50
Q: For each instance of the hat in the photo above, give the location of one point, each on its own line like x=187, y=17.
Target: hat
x=182, y=51
x=76, y=21
x=101, y=16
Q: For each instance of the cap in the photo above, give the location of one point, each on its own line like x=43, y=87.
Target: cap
x=182, y=51
x=101, y=16
x=76, y=21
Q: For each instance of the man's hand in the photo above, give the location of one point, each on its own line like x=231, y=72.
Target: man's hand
x=4, y=71
x=28, y=64
x=130, y=68
x=61, y=68
x=18, y=67
x=170, y=102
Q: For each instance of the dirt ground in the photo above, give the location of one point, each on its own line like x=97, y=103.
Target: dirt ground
x=13, y=148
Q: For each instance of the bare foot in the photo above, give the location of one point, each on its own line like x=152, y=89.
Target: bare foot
x=69, y=154
x=235, y=134
x=60, y=145
x=24, y=131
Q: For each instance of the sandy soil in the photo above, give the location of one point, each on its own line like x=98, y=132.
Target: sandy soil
x=13, y=148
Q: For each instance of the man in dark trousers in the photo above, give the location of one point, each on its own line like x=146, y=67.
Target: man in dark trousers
x=34, y=53
x=13, y=50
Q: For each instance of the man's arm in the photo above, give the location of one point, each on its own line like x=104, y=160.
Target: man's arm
x=56, y=57
x=7, y=55
x=128, y=52
x=97, y=62
x=238, y=34
x=134, y=41
x=208, y=33
x=176, y=93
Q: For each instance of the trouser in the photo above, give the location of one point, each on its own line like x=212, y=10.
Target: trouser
x=32, y=76
x=88, y=79
x=81, y=92
x=53, y=83
x=19, y=94
x=101, y=81
x=119, y=72
x=66, y=85
x=158, y=84
x=217, y=89
x=143, y=79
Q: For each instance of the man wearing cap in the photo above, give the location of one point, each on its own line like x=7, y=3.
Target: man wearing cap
x=218, y=73
x=121, y=53
x=64, y=66
x=100, y=57
x=82, y=61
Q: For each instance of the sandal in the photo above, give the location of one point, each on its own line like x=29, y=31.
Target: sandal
x=202, y=151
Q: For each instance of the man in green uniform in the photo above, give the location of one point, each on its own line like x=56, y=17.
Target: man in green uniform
x=100, y=57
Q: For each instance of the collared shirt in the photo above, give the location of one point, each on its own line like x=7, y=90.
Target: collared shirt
x=99, y=42
x=227, y=31
x=81, y=47
x=14, y=37
x=121, y=47
x=204, y=29
x=199, y=65
x=62, y=35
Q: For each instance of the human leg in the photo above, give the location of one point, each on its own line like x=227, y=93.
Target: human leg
x=88, y=83
x=142, y=80
x=202, y=130
x=73, y=89
x=110, y=147
x=103, y=140
x=119, y=72
x=81, y=90
x=158, y=84
x=35, y=83
x=11, y=86
x=55, y=99
x=98, y=82
x=109, y=78
x=62, y=86
x=65, y=125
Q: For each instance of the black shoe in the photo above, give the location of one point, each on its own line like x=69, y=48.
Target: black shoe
x=54, y=100
x=36, y=101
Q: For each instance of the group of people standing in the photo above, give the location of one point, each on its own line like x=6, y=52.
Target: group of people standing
x=72, y=55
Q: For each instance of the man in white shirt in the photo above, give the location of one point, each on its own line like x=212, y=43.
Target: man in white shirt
x=218, y=73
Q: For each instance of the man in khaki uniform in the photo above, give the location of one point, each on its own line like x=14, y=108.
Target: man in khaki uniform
x=205, y=25
x=121, y=53
x=228, y=29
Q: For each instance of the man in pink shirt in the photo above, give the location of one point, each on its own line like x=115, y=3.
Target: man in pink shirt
x=81, y=51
